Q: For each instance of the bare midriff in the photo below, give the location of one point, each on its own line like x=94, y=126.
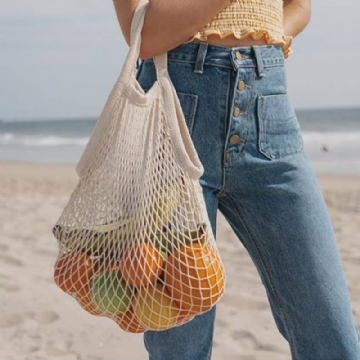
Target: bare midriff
x=232, y=41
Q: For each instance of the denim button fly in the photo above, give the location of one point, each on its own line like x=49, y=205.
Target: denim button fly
x=234, y=139
x=237, y=112
x=241, y=85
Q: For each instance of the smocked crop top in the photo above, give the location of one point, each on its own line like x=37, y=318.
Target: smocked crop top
x=255, y=18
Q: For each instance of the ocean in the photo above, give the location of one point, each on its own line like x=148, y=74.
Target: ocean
x=331, y=138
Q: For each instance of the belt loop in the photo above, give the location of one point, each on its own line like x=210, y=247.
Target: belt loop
x=137, y=63
x=200, y=58
x=259, y=61
x=233, y=61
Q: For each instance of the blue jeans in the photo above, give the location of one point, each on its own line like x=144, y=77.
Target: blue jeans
x=246, y=133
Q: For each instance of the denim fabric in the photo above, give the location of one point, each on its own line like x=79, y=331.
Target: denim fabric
x=257, y=175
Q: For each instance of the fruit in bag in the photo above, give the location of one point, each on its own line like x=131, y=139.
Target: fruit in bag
x=110, y=292
x=165, y=204
x=170, y=239
x=185, y=316
x=154, y=308
x=129, y=323
x=93, y=239
x=88, y=305
x=194, y=276
x=102, y=239
x=72, y=273
x=141, y=264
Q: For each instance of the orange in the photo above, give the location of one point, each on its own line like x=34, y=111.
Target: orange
x=129, y=323
x=194, y=276
x=141, y=264
x=154, y=308
x=73, y=271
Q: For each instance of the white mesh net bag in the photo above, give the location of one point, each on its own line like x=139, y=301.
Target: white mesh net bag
x=135, y=241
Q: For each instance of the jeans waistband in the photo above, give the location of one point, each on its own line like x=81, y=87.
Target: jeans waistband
x=259, y=56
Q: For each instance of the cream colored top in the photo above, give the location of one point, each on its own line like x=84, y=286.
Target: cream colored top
x=255, y=18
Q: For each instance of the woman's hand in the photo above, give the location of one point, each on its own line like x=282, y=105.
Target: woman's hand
x=297, y=15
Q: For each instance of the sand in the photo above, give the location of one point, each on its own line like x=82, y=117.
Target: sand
x=40, y=322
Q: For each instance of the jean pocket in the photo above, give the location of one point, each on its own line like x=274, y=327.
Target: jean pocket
x=279, y=130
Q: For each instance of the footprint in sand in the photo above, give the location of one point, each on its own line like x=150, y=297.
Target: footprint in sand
x=271, y=347
x=9, y=287
x=5, y=259
x=246, y=339
x=30, y=348
x=59, y=347
x=10, y=320
x=45, y=317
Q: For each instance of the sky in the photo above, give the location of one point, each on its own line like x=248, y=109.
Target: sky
x=61, y=58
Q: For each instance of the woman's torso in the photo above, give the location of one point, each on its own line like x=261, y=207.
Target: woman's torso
x=245, y=23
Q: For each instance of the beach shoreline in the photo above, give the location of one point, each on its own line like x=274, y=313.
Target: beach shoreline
x=39, y=322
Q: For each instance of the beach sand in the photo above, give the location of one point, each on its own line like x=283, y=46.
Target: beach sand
x=40, y=322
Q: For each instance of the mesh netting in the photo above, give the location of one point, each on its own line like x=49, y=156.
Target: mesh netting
x=136, y=244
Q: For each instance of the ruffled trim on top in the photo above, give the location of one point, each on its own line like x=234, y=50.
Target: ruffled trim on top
x=284, y=40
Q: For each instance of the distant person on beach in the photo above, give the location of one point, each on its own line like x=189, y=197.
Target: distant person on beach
x=226, y=60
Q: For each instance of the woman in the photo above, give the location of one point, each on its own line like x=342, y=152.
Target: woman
x=226, y=61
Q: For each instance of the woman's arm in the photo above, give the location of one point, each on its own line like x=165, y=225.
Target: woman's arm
x=297, y=15
x=167, y=23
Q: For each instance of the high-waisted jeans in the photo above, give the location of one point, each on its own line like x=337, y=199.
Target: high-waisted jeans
x=247, y=136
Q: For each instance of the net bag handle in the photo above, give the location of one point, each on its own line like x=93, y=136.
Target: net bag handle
x=182, y=143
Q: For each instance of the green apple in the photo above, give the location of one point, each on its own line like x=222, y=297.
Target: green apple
x=110, y=292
